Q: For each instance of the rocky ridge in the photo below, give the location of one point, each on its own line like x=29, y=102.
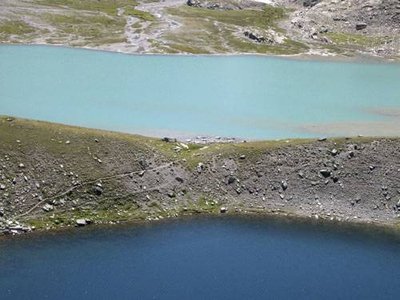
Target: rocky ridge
x=369, y=27
x=54, y=176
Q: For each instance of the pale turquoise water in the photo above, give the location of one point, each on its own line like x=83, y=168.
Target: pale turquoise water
x=252, y=97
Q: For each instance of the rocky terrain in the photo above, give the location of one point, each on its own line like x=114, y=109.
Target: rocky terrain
x=344, y=28
x=54, y=176
x=350, y=26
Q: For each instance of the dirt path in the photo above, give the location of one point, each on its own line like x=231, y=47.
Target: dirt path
x=140, y=34
x=68, y=191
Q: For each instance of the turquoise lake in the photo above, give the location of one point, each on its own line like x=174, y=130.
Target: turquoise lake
x=241, y=96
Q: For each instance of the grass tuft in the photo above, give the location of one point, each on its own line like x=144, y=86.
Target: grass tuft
x=15, y=28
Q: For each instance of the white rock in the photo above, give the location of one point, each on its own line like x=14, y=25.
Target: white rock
x=81, y=222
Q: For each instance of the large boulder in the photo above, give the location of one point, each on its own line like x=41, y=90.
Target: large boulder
x=81, y=222
x=310, y=3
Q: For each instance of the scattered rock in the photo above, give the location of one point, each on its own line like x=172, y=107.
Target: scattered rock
x=284, y=185
x=143, y=164
x=310, y=3
x=179, y=179
x=48, y=207
x=254, y=37
x=200, y=167
x=98, y=189
x=21, y=166
x=339, y=18
x=184, y=146
x=81, y=222
x=323, y=29
x=224, y=5
x=325, y=172
x=231, y=179
x=168, y=140
x=335, y=178
x=398, y=204
x=193, y=3
x=361, y=26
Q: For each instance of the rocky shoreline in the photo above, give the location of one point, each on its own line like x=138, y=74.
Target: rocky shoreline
x=54, y=176
x=317, y=29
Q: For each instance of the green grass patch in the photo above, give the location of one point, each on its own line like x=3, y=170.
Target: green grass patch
x=203, y=204
x=186, y=48
x=144, y=15
x=15, y=28
x=97, y=29
x=246, y=17
x=109, y=7
x=105, y=6
x=352, y=39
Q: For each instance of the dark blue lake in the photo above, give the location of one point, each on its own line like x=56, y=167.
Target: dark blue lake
x=209, y=258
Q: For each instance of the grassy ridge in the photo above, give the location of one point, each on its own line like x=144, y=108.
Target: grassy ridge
x=49, y=174
x=222, y=29
x=109, y=7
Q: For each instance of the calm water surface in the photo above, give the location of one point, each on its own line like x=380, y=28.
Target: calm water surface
x=228, y=258
x=251, y=97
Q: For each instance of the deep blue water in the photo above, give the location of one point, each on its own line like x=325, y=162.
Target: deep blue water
x=241, y=96
x=227, y=258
